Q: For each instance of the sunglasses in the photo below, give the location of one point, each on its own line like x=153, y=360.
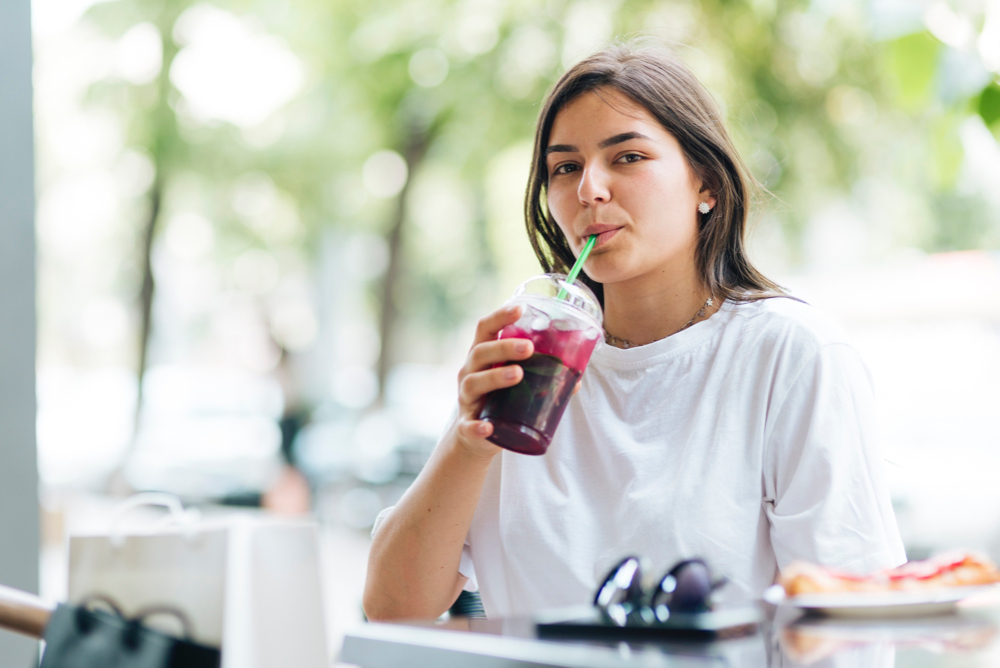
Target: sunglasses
x=685, y=589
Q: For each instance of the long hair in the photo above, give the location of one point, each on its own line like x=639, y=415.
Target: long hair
x=657, y=80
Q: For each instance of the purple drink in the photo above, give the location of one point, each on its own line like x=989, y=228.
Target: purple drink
x=564, y=333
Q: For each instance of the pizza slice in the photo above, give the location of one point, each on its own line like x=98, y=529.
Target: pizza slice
x=948, y=569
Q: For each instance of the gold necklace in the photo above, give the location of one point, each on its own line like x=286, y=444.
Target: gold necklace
x=623, y=343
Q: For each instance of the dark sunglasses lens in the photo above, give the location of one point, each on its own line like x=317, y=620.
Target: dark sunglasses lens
x=622, y=584
x=685, y=588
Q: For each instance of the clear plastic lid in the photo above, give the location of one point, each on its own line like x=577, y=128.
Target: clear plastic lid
x=579, y=300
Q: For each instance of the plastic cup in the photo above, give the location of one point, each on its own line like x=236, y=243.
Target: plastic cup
x=565, y=332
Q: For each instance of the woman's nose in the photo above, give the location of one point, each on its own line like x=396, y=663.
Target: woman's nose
x=594, y=186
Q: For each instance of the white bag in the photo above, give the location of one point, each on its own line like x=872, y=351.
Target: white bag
x=247, y=584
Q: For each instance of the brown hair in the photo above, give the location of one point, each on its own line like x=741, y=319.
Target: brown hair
x=657, y=80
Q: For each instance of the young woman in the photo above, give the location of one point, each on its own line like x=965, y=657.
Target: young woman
x=723, y=420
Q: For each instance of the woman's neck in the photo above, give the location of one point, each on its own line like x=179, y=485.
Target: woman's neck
x=642, y=311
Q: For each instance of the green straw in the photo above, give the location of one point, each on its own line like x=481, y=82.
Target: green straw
x=575, y=271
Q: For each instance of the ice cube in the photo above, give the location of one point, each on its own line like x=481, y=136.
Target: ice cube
x=564, y=325
x=539, y=323
x=535, y=319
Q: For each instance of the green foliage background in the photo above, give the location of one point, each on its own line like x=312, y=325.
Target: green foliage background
x=826, y=104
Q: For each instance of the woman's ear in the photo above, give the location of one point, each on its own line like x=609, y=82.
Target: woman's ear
x=709, y=186
x=710, y=200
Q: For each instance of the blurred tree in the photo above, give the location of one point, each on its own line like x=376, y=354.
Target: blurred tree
x=824, y=109
x=152, y=129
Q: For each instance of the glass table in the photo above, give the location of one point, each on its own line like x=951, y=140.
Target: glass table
x=784, y=639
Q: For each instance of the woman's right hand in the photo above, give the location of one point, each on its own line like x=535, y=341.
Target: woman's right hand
x=481, y=375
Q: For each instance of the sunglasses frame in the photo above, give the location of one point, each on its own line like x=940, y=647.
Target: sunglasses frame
x=624, y=602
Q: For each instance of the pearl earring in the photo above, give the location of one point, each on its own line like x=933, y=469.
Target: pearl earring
x=704, y=207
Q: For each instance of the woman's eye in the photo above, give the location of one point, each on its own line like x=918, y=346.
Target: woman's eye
x=630, y=157
x=564, y=168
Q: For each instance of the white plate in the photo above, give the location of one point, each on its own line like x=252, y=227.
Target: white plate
x=877, y=604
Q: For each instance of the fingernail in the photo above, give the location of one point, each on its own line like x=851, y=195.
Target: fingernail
x=510, y=373
x=521, y=347
x=482, y=428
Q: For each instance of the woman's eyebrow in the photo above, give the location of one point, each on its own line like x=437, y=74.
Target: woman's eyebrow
x=618, y=139
x=561, y=148
x=610, y=141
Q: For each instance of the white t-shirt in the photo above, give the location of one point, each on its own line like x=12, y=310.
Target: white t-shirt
x=747, y=439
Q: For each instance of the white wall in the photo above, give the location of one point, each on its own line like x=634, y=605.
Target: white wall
x=19, y=531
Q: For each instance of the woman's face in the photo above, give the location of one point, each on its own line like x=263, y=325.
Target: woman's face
x=616, y=172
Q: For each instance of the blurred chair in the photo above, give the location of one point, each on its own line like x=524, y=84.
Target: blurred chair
x=468, y=604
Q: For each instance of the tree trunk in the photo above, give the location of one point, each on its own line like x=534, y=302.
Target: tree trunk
x=161, y=145
x=147, y=292
x=417, y=141
x=116, y=483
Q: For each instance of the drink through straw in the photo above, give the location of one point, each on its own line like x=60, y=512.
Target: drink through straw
x=563, y=320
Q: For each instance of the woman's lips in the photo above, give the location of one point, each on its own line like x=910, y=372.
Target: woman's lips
x=604, y=237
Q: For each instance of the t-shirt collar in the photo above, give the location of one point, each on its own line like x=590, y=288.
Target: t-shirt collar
x=698, y=333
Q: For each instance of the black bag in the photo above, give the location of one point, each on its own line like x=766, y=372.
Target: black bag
x=78, y=637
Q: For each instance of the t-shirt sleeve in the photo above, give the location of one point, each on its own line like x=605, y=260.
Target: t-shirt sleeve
x=465, y=566
x=381, y=518
x=824, y=486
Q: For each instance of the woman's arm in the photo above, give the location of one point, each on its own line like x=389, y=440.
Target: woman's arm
x=414, y=558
